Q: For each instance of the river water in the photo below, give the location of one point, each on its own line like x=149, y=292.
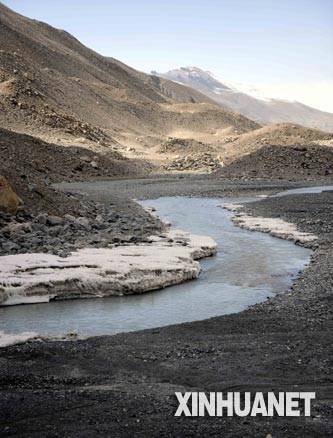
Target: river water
x=248, y=268
x=302, y=190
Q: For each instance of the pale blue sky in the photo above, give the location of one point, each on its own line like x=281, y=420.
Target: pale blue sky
x=279, y=45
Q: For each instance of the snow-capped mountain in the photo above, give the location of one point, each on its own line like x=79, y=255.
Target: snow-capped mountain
x=250, y=101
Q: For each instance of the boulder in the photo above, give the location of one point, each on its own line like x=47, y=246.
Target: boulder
x=54, y=220
x=9, y=201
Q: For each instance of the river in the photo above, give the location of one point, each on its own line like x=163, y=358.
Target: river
x=248, y=268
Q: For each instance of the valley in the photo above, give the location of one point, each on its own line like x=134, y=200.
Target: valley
x=265, y=347
x=113, y=184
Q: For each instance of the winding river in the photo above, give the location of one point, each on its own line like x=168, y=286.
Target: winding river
x=248, y=268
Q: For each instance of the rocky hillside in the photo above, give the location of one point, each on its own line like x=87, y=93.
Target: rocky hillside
x=297, y=162
x=281, y=134
x=190, y=155
x=77, y=103
x=32, y=165
x=53, y=86
x=263, y=111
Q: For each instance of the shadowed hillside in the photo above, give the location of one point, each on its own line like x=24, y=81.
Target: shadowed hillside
x=54, y=86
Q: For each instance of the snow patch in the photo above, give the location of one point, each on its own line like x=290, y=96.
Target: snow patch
x=7, y=339
x=96, y=272
x=275, y=226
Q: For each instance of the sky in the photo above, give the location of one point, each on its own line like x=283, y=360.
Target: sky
x=282, y=47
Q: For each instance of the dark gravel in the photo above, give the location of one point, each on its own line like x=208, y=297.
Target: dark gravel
x=98, y=225
x=123, y=385
x=179, y=184
x=296, y=162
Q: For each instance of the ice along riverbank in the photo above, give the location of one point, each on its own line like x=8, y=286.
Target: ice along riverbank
x=248, y=268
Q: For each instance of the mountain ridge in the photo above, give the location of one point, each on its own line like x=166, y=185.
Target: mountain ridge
x=50, y=81
x=55, y=88
x=262, y=110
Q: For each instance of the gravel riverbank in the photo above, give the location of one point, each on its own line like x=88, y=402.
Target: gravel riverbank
x=124, y=385
x=98, y=225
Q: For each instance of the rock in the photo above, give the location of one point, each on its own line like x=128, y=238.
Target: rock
x=78, y=168
x=54, y=220
x=9, y=201
x=82, y=221
x=18, y=228
x=69, y=218
x=85, y=158
x=35, y=241
x=99, y=219
x=41, y=218
x=200, y=161
x=56, y=231
x=10, y=246
x=32, y=187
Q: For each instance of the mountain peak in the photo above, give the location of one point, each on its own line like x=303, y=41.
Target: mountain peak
x=193, y=70
x=248, y=100
x=195, y=77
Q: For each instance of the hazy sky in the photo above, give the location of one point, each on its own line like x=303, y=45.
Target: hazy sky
x=283, y=47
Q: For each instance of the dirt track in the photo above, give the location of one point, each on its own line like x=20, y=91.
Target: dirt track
x=124, y=385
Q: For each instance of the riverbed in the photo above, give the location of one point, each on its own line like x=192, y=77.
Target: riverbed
x=248, y=268
x=126, y=383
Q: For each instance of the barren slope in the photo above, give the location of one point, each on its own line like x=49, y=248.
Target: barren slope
x=50, y=82
x=296, y=162
x=55, y=88
x=281, y=134
x=31, y=165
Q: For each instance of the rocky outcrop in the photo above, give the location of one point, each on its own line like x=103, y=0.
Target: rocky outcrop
x=98, y=225
x=96, y=272
x=195, y=162
x=9, y=201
